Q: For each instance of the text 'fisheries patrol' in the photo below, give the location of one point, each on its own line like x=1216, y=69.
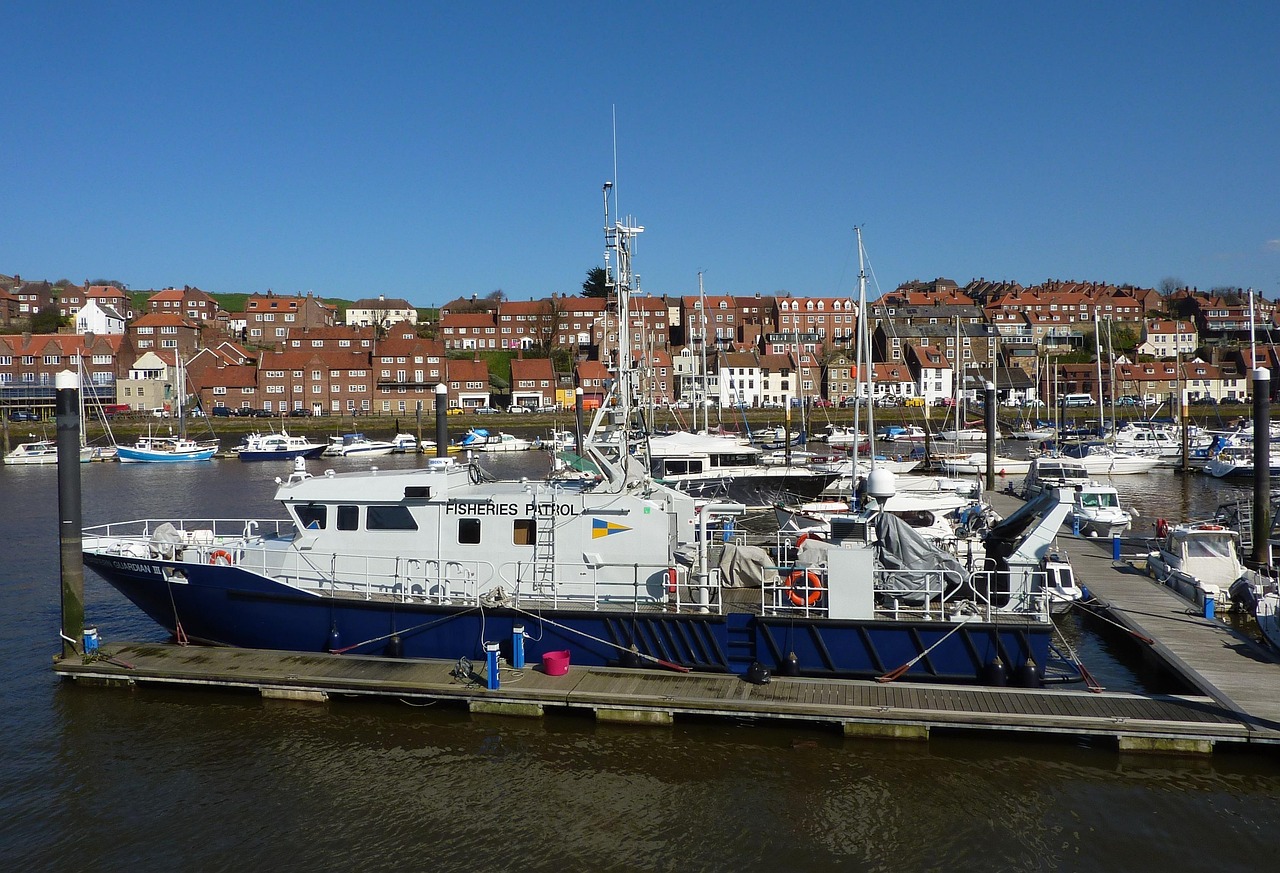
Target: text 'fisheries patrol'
x=516, y=509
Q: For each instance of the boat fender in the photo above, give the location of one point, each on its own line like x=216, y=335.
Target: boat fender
x=1162, y=528
x=995, y=674
x=758, y=674
x=803, y=587
x=1027, y=676
x=395, y=647
x=790, y=665
x=221, y=556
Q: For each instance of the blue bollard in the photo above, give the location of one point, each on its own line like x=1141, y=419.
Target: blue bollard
x=1209, y=606
x=1115, y=547
x=517, y=646
x=91, y=641
x=491, y=666
x=1075, y=525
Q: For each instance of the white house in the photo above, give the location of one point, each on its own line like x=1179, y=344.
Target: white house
x=381, y=312
x=740, y=382
x=932, y=373
x=1168, y=339
x=99, y=318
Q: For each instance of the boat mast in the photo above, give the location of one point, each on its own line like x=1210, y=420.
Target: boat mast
x=864, y=338
x=702, y=312
x=1097, y=346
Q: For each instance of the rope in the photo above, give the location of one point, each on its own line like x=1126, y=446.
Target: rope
x=1082, y=605
x=679, y=668
x=898, y=671
x=1091, y=683
x=403, y=631
x=178, y=633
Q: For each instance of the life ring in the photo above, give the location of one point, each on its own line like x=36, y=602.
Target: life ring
x=1162, y=528
x=221, y=556
x=810, y=581
x=801, y=540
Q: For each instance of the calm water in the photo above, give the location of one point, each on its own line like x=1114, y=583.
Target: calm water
x=110, y=780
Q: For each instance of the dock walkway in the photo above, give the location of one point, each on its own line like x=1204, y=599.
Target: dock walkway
x=1237, y=672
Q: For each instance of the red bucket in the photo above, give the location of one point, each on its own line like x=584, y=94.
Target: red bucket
x=555, y=663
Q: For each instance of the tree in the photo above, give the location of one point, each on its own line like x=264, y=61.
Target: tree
x=48, y=320
x=496, y=296
x=1169, y=284
x=595, y=285
x=551, y=321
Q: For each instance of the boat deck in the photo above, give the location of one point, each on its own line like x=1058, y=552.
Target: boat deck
x=1239, y=673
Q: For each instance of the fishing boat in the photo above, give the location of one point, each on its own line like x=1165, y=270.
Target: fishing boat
x=166, y=449
x=277, y=447
x=437, y=563
x=1096, y=511
x=356, y=445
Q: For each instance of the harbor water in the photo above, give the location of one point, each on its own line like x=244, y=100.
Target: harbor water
x=113, y=779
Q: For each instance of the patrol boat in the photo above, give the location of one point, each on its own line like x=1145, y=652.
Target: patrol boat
x=623, y=571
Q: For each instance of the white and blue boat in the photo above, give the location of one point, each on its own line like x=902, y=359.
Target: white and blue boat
x=357, y=445
x=166, y=449
x=623, y=571
x=277, y=447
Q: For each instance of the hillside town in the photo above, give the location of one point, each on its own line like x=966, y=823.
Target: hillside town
x=931, y=342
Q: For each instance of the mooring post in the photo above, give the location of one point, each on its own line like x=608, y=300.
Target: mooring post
x=442, y=420
x=577, y=411
x=417, y=428
x=989, y=392
x=1261, y=466
x=71, y=558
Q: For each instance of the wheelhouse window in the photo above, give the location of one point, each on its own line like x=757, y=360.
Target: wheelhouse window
x=311, y=516
x=348, y=518
x=469, y=531
x=523, y=531
x=391, y=517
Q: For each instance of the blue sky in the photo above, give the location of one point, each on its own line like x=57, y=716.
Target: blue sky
x=428, y=150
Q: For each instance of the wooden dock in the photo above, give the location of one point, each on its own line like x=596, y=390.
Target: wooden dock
x=1136, y=722
x=1239, y=674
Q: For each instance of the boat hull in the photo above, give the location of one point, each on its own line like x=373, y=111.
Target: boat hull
x=281, y=454
x=232, y=606
x=131, y=455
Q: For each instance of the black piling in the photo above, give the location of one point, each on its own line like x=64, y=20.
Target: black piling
x=71, y=558
x=442, y=421
x=577, y=411
x=1261, y=465
x=990, y=419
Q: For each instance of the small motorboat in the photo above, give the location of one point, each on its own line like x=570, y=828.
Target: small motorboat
x=1060, y=582
x=1200, y=561
x=277, y=447
x=1096, y=512
x=357, y=445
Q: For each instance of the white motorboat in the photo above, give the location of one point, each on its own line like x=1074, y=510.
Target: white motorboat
x=505, y=442
x=277, y=447
x=977, y=463
x=404, y=443
x=1236, y=462
x=1096, y=511
x=1060, y=582
x=965, y=435
x=839, y=435
x=37, y=453
x=1199, y=560
x=705, y=465
x=357, y=445
x=1048, y=472
x=1100, y=459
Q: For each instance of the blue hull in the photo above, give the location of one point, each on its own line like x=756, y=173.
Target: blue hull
x=282, y=455
x=229, y=606
x=137, y=455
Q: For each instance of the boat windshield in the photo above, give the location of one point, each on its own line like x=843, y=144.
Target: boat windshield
x=1099, y=500
x=1208, y=547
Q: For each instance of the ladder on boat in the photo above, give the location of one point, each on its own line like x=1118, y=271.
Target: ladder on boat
x=544, y=541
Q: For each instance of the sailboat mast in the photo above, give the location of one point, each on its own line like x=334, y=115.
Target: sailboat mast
x=702, y=312
x=864, y=338
x=1097, y=345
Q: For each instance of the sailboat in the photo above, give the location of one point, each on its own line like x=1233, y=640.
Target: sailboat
x=157, y=449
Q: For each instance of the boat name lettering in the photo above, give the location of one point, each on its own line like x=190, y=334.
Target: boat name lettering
x=515, y=509
x=134, y=567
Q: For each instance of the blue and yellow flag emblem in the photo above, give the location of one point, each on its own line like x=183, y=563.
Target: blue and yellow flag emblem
x=602, y=528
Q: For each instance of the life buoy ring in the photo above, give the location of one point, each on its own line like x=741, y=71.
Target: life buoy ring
x=221, y=556
x=800, y=582
x=1162, y=528
x=801, y=540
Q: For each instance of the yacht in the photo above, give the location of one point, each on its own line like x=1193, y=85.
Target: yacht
x=356, y=445
x=1096, y=511
x=277, y=447
x=1199, y=560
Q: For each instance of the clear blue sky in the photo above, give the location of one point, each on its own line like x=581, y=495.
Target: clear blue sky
x=428, y=150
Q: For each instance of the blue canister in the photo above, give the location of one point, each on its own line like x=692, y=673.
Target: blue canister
x=1209, y=606
x=517, y=646
x=91, y=641
x=491, y=666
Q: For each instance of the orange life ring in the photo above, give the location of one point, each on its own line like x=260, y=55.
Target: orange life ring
x=800, y=540
x=1162, y=528
x=221, y=556
x=798, y=582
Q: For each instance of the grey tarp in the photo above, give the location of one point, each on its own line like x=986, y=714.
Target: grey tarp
x=745, y=567
x=918, y=565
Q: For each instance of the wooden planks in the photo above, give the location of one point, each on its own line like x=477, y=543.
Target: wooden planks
x=654, y=697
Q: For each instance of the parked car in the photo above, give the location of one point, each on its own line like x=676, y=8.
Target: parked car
x=301, y=412
x=849, y=402
x=485, y=410
x=822, y=403
x=23, y=415
x=771, y=404
x=1128, y=400
x=454, y=410
x=945, y=401
x=222, y=412
x=515, y=409
x=888, y=400
x=913, y=401
x=1204, y=400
